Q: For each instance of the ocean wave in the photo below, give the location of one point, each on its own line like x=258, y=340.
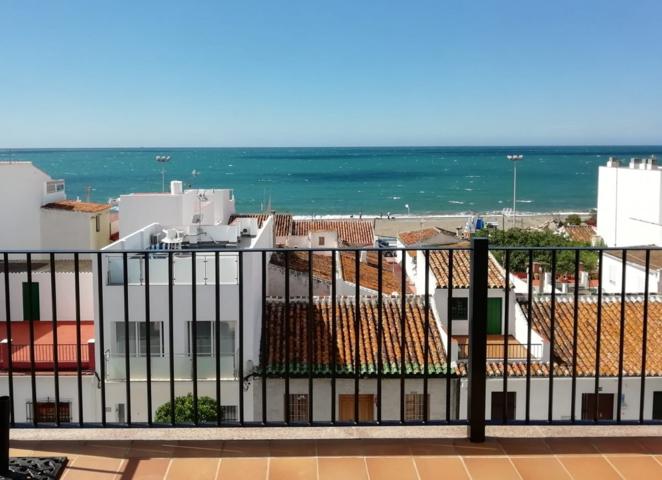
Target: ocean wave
x=524, y=201
x=456, y=202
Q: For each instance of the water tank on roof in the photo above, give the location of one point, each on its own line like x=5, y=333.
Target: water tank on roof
x=176, y=187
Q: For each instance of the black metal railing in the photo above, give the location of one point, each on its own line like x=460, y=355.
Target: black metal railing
x=352, y=339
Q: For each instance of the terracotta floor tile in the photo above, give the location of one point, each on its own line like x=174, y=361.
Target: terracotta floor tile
x=292, y=448
x=94, y=468
x=386, y=447
x=243, y=469
x=197, y=449
x=151, y=449
x=466, y=448
x=292, y=468
x=330, y=468
x=432, y=447
x=395, y=468
x=570, y=446
x=490, y=468
x=146, y=468
x=651, y=444
x=245, y=448
x=525, y=446
x=340, y=448
x=193, y=468
x=447, y=467
x=588, y=467
x=636, y=466
x=615, y=446
x=540, y=468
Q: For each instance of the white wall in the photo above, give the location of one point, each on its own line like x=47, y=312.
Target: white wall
x=140, y=209
x=65, y=290
x=635, y=277
x=45, y=391
x=22, y=193
x=629, y=206
x=68, y=230
x=539, y=396
x=322, y=396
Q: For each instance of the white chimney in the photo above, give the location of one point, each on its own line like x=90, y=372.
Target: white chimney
x=613, y=162
x=176, y=187
x=634, y=162
x=547, y=281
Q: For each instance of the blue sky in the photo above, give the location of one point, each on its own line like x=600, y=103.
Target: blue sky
x=322, y=73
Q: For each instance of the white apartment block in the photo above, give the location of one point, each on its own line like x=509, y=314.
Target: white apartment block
x=630, y=203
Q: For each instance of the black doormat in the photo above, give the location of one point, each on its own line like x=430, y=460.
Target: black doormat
x=35, y=468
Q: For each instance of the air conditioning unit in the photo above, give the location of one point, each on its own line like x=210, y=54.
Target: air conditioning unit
x=245, y=232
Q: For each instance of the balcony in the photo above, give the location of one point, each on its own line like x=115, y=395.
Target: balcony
x=357, y=356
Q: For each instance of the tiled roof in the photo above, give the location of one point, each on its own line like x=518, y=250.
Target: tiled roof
x=427, y=235
x=369, y=274
x=298, y=261
x=462, y=269
x=638, y=257
x=609, y=334
x=282, y=221
x=345, y=339
x=518, y=369
x=579, y=233
x=355, y=233
x=74, y=206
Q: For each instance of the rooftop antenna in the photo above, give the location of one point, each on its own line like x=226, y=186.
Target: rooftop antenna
x=162, y=159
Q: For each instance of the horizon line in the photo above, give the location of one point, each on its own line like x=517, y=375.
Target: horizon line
x=159, y=147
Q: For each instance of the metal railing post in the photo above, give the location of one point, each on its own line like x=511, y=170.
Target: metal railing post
x=5, y=409
x=477, y=339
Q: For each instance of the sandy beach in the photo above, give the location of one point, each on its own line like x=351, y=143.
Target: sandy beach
x=391, y=227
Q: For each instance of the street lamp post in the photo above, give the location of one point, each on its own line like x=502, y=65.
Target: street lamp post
x=408, y=211
x=162, y=159
x=514, y=159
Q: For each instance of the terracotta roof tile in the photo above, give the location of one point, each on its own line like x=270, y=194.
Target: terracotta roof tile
x=298, y=261
x=345, y=340
x=609, y=333
x=638, y=257
x=462, y=269
x=282, y=221
x=418, y=237
x=369, y=274
x=355, y=233
x=75, y=206
x=579, y=233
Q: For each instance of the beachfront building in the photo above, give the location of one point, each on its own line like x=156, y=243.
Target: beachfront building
x=559, y=359
x=333, y=352
x=39, y=216
x=630, y=203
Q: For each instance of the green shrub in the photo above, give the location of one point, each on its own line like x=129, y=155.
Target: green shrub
x=184, y=410
x=573, y=219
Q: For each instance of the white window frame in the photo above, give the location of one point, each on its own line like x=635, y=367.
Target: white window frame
x=137, y=347
x=212, y=353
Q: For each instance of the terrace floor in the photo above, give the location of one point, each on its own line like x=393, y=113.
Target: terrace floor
x=505, y=457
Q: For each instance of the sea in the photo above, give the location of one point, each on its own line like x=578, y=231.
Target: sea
x=346, y=181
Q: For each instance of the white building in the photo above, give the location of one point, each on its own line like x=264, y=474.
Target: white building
x=635, y=271
x=177, y=207
x=41, y=217
x=630, y=203
x=184, y=242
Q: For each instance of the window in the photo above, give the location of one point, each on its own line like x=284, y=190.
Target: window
x=97, y=221
x=459, y=308
x=205, y=334
x=54, y=186
x=414, y=406
x=297, y=406
x=321, y=241
x=499, y=401
x=46, y=412
x=138, y=338
x=228, y=413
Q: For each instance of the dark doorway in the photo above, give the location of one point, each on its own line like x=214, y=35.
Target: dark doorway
x=605, y=406
x=498, y=400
